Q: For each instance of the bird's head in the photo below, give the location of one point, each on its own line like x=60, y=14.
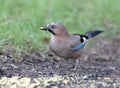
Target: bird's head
x=55, y=28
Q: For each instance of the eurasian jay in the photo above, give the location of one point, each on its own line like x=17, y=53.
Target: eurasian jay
x=65, y=45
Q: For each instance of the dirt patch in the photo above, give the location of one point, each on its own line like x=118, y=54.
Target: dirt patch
x=99, y=67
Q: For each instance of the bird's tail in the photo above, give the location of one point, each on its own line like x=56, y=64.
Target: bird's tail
x=91, y=34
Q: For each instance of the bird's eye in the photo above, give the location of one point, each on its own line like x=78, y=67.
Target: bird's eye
x=53, y=26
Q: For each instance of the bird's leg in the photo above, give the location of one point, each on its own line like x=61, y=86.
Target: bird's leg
x=76, y=64
x=60, y=62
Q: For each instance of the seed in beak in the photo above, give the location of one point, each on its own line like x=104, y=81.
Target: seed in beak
x=41, y=28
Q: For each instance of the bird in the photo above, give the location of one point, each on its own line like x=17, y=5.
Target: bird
x=66, y=45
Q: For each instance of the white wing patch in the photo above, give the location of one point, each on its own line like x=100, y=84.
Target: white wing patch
x=84, y=40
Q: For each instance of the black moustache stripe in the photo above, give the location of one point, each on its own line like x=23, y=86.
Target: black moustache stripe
x=51, y=31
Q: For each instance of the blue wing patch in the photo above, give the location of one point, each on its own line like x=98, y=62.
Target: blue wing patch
x=79, y=46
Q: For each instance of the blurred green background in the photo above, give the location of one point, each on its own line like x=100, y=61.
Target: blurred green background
x=20, y=19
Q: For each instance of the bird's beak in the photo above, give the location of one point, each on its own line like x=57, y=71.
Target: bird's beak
x=46, y=28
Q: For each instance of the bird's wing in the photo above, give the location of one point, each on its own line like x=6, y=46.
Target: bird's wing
x=83, y=40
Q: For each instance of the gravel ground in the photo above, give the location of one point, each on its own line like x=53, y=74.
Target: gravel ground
x=98, y=68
